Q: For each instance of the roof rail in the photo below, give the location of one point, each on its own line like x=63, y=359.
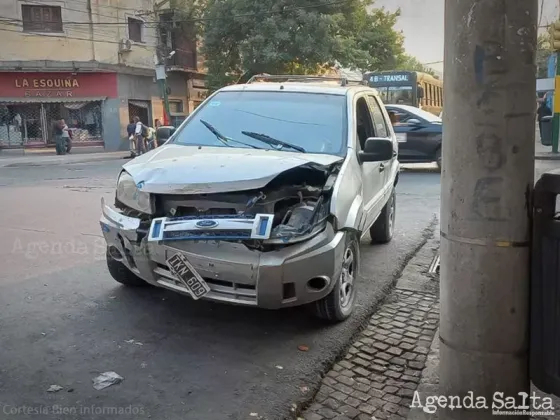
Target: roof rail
x=302, y=78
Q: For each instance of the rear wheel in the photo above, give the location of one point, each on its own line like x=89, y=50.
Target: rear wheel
x=122, y=274
x=339, y=303
x=382, y=230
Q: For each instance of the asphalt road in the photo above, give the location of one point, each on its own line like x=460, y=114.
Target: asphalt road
x=64, y=320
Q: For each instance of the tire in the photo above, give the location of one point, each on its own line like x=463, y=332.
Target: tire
x=122, y=274
x=338, y=305
x=438, y=159
x=382, y=230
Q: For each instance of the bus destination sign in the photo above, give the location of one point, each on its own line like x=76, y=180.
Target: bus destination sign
x=389, y=78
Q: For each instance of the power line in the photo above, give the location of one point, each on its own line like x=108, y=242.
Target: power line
x=202, y=19
x=55, y=36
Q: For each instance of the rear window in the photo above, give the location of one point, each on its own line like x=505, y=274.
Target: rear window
x=316, y=122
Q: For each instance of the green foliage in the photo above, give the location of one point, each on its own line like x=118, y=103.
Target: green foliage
x=543, y=52
x=295, y=36
x=410, y=63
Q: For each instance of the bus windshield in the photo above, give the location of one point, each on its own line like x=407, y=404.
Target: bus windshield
x=401, y=95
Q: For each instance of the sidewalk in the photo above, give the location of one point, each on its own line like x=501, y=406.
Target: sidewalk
x=13, y=158
x=383, y=367
x=543, y=152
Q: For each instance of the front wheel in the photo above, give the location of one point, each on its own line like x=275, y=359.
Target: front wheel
x=438, y=159
x=339, y=303
x=122, y=274
x=382, y=230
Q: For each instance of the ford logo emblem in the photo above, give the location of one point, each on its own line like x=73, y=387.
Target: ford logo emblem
x=206, y=224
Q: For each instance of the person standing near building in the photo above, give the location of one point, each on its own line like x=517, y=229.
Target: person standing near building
x=542, y=111
x=66, y=139
x=130, y=129
x=60, y=146
x=140, y=133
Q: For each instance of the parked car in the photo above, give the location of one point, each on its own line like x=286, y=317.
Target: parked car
x=260, y=198
x=419, y=134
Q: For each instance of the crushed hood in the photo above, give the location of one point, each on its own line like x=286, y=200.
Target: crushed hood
x=174, y=169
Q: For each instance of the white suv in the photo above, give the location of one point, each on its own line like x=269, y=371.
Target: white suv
x=260, y=197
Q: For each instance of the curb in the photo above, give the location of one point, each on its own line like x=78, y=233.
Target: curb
x=548, y=157
x=57, y=161
x=350, y=387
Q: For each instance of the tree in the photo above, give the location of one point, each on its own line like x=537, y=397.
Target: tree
x=295, y=37
x=543, y=52
x=410, y=63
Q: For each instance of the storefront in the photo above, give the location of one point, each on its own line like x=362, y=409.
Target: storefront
x=30, y=103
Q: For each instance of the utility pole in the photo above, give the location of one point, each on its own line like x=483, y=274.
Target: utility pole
x=161, y=62
x=487, y=177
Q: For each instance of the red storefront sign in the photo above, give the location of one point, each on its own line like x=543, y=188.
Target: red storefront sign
x=57, y=85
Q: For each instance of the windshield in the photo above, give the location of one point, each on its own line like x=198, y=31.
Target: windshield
x=314, y=122
x=396, y=94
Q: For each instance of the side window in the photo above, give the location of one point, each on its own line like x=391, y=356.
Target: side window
x=402, y=116
x=364, y=124
x=378, y=118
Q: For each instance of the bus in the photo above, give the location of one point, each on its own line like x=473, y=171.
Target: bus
x=408, y=88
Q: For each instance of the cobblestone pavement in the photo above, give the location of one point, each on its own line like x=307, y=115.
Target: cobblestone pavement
x=382, y=369
x=377, y=377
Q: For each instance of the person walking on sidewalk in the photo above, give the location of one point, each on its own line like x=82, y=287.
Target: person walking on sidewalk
x=60, y=144
x=542, y=111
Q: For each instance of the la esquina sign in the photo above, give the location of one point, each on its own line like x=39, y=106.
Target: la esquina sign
x=48, y=87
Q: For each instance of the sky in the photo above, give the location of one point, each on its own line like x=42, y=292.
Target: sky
x=422, y=24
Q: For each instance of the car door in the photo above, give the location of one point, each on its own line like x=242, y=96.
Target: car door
x=372, y=172
x=413, y=138
x=381, y=125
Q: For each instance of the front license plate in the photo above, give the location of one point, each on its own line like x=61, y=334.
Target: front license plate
x=185, y=272
x=401, y=137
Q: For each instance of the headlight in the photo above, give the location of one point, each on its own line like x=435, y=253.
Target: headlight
x=129, y=194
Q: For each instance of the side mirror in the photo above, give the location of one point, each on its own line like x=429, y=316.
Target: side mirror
x=376, y=150
x=163, y=133
x=420, y=92
x=413, y=121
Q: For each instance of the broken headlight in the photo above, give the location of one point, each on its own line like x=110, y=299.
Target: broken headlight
x=129, y=194
x=300, y=222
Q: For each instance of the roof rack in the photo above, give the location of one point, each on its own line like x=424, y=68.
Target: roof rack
x=288, y=78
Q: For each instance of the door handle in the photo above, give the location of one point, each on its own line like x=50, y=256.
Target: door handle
x=381, y=167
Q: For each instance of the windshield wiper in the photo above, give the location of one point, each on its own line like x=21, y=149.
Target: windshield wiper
x=223, y=139
x=272, y=141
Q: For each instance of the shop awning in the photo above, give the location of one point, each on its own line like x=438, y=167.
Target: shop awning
x=45, y=100
x=139, y=104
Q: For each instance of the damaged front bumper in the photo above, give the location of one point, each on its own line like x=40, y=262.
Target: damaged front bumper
x=286, y=276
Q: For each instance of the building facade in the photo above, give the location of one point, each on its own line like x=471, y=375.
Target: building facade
x=91, y=63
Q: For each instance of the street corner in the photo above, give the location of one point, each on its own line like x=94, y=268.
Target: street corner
x=384, y=367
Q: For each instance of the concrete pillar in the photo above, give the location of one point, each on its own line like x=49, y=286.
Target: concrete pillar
x=488, y=169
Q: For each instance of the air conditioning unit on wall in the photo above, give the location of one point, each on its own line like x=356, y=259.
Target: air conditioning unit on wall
x=125, y=45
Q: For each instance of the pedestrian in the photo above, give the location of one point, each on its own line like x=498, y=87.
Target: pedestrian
x=542, y=111
x=140, y=134
x=130, y=129
x=67, y=142
x=60, y=146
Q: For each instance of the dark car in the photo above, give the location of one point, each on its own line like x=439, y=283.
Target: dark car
x=419, y=134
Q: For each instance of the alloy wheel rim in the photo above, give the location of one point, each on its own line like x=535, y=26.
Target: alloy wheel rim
x=347, y=278
x=392, y=215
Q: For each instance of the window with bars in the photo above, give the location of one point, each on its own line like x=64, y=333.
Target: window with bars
x=176, y=106
x=41, y=18
x=135, y=27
